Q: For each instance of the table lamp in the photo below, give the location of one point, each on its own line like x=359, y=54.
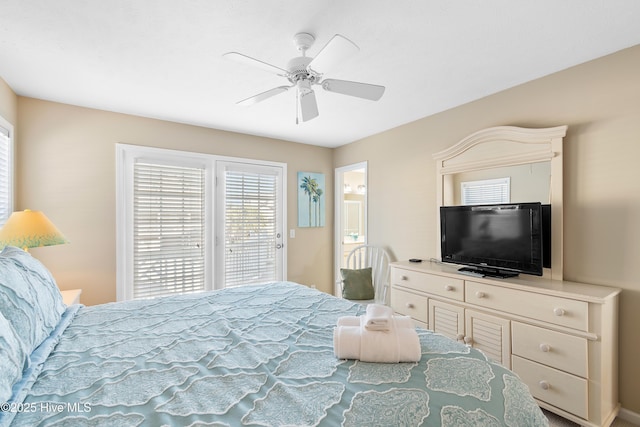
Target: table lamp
x=30, y=229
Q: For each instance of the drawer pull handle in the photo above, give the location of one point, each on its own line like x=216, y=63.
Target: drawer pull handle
x=558, y=311
x=468, y=340
x=409, y=305
x=404, y=278
x=546, y=348
x=544, y=385
x=460, y=337
x=448, y=288
x=480, y=294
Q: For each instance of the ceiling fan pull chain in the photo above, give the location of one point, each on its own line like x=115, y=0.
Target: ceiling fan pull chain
x=297, y=106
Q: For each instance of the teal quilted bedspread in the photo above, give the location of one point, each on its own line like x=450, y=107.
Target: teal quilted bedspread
x=257, y=355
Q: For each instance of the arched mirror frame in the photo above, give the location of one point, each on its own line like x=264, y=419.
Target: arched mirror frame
x=501, y=147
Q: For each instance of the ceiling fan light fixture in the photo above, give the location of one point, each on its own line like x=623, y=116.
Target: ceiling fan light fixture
x=304, y=86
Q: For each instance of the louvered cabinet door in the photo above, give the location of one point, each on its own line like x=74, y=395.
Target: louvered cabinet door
x=446, y=319
x=490, y=334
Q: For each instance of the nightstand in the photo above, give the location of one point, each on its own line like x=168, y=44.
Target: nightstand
x=71, y=296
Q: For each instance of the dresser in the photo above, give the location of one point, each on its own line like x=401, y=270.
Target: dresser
x=560, y=337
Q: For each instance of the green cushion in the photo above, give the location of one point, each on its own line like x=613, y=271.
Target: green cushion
x=357, y=284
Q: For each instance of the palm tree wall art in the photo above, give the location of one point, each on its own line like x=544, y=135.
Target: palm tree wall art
x=311, y=190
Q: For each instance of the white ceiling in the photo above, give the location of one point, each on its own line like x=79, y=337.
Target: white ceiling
x=163, y=58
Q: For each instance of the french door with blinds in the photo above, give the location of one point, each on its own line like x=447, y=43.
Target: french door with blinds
x=249, y=206
x=168, y=229
x=180, y=232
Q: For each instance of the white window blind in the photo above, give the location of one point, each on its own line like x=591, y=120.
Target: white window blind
x=486, y=191
x=6, y=173
x=250, y=227
x=169, y=230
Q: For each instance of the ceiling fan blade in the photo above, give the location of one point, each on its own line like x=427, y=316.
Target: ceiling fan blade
x=247, y=60
x=264, y=95
x=308, y=105
x=334, y=52
x=361, y=90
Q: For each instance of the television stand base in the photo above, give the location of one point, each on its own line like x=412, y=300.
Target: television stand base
x=482, y=272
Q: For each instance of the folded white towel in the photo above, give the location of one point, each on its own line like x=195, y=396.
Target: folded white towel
x=378, y=317
x=399, y=344
x=346, y=342
x=349, y=321
x=400, y=321
x=379, y=310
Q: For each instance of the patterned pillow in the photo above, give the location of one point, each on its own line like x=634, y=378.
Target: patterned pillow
x=13, y=359
x=357, y=284
x=29, y=297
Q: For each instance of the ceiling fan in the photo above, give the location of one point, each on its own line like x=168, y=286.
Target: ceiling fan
x=304, y=72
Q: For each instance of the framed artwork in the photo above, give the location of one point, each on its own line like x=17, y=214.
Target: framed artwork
x=311, y=199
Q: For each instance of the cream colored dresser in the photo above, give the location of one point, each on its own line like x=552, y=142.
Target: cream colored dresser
x=560, y=337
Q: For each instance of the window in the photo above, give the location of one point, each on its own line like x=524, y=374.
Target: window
x=486, y=191
x=170, y=212
x=6, y=170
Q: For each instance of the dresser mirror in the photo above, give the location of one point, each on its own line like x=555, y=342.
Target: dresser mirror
x=530, y=158
x=527, y=183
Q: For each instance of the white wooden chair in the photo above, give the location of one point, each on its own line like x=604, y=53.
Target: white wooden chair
x=377, y=258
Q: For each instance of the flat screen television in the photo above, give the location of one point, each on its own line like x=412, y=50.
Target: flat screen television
x=499, y=240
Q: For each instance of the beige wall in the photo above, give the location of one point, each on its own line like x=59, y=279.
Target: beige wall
x=600, y=102
x=8, y=103
x=66, y=168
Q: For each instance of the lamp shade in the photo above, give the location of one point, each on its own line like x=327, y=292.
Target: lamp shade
x=30, y=229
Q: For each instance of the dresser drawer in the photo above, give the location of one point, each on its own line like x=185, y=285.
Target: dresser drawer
x=547, y=308
x=443, y=286
x=410, y=304
x=565, y=352
x=555, y=387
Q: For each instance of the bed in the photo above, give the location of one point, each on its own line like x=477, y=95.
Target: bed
x=252, y=355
